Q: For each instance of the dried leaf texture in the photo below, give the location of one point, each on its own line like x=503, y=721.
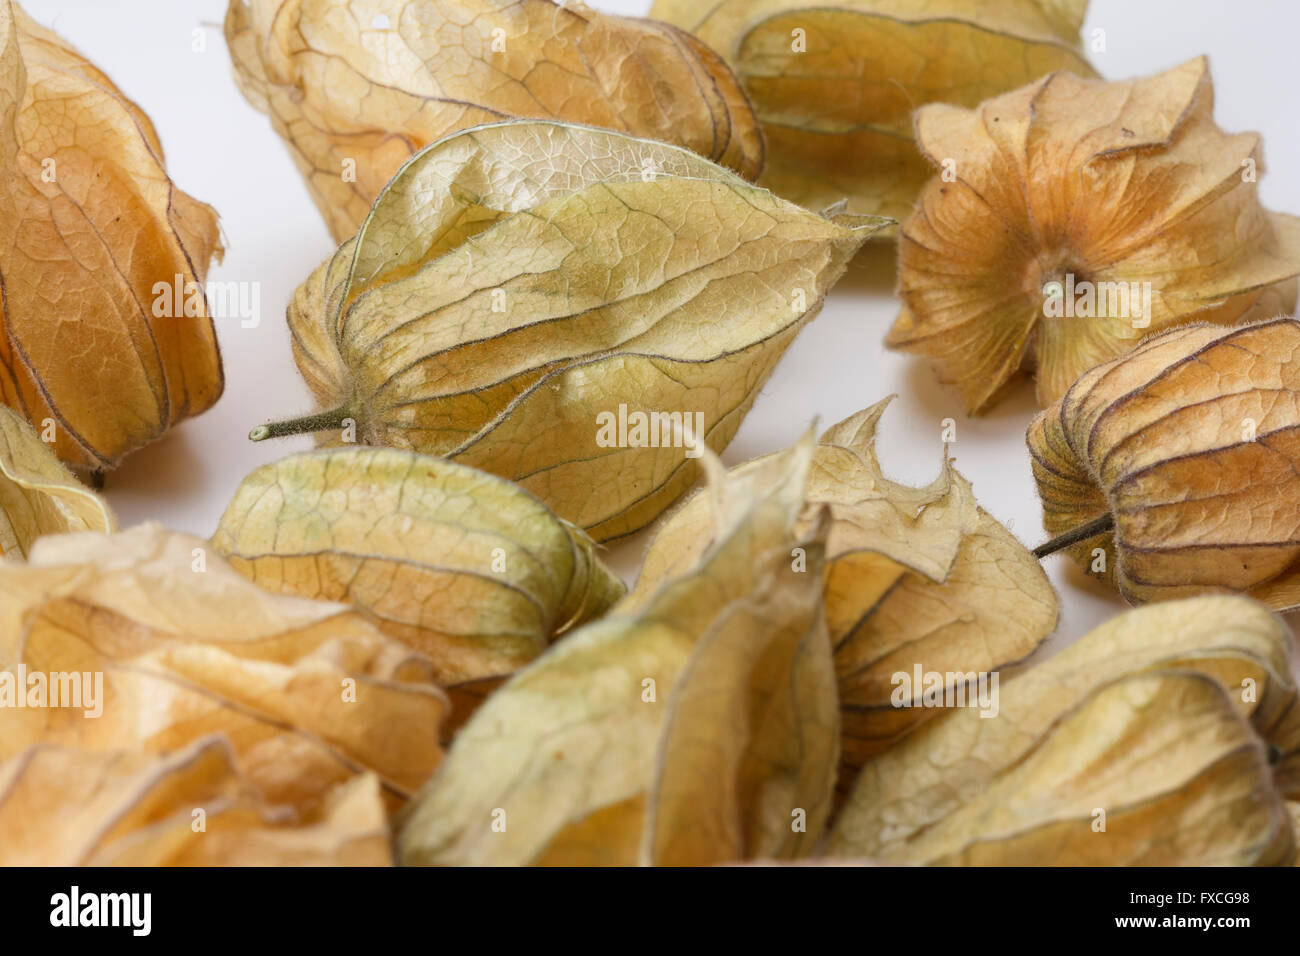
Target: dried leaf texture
x=1165, y=725
x=62, y=806
x=835, y=83
x=38, y=495
x=89, y=224
x=309, y=694
x=1190, y=443
x=464, y=567
x=1073, y=202
x=520, y=292
x=695, y=729
x=356, y=88
x=914, y=577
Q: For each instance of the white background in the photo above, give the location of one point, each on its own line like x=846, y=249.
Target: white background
x=219, y=149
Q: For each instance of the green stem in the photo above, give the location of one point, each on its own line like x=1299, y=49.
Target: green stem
x=1090, y=530
x=321, y=421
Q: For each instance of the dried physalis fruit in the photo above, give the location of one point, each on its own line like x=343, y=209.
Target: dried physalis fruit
x=569, y=308
x=464, y=567
x=1173, y=470
x=924, y=592
x=64, y=806
x=356, y=88
x=835, y=82
x=146, y=640
x=37, y=494
x=1169, y=735
x=698, y=728
x=1072, y=218
x=91, y=231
